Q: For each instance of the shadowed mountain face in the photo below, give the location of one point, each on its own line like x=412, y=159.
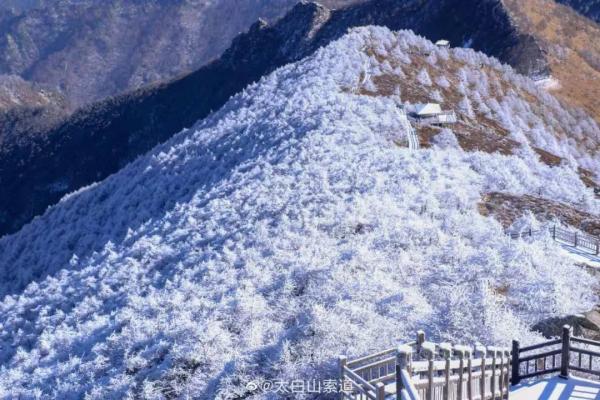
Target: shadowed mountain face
x=589, y=8
x=27, y=109
x=100, y=139
x=91, y=49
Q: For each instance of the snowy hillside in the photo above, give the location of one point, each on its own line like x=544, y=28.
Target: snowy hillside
x=290, y=227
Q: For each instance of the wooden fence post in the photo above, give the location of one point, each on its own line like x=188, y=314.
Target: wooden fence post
x=403, y=356
x=575, y=240
x=342, y=361
x=598, y=248
x=501, y=381
x=380, y=388
x=469, y=354
x=428, y=350
x=480, y=352
x=565, y=354
x=514, y=377
x=554, y=232
x=493, y=352
x=420, y=340
x=507, y=376
x=460, y=352
x=446, y=350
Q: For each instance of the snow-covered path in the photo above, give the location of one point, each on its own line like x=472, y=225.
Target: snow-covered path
x=413, y=139
x=581, y=256
x=557, y=389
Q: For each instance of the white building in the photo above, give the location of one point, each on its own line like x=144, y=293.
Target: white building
x=431, y=113
x=427, y=110
x=443, y=43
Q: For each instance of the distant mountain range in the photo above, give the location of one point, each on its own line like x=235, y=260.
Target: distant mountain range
x=589, y=8
x=90, y=49
x=101, y=138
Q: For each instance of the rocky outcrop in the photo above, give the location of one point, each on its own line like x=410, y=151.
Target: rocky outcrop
x=586, y=325
x=101, y=138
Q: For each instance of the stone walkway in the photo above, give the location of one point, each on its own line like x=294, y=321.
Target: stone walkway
x=557, y=389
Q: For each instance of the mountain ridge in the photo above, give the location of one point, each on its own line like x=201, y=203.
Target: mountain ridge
x=103, y=137
x=588, y=8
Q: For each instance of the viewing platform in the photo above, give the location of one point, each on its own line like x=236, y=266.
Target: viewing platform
x=556, y=388
x=556, y=369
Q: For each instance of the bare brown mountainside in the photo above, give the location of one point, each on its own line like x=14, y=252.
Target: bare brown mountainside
x=572, y=47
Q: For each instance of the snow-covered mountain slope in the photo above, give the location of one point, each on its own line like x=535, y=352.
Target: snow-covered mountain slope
x=289, y=227
x=498, y=109
x=38, y=169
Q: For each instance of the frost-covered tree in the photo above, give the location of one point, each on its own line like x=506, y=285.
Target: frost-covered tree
x=436, y=96
x=423, y=77
x=465, y=107
x=442, y=82
x=446, y=139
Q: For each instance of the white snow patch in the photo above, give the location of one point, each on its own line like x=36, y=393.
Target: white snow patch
x=556, y=388
x=549, y=83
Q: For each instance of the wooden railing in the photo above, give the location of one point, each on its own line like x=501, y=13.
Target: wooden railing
x=575, y=239
x=561, y=355
x=368, y=375
x=426, y=370
x=413, y=138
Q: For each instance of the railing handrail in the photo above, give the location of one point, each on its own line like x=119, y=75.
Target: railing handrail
x=565, y=351
x=408, y=385
x=585, y=341
x=541, y=345
x=417, y=367
x=427, y=367
x=573, y=238
x=371, y=357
